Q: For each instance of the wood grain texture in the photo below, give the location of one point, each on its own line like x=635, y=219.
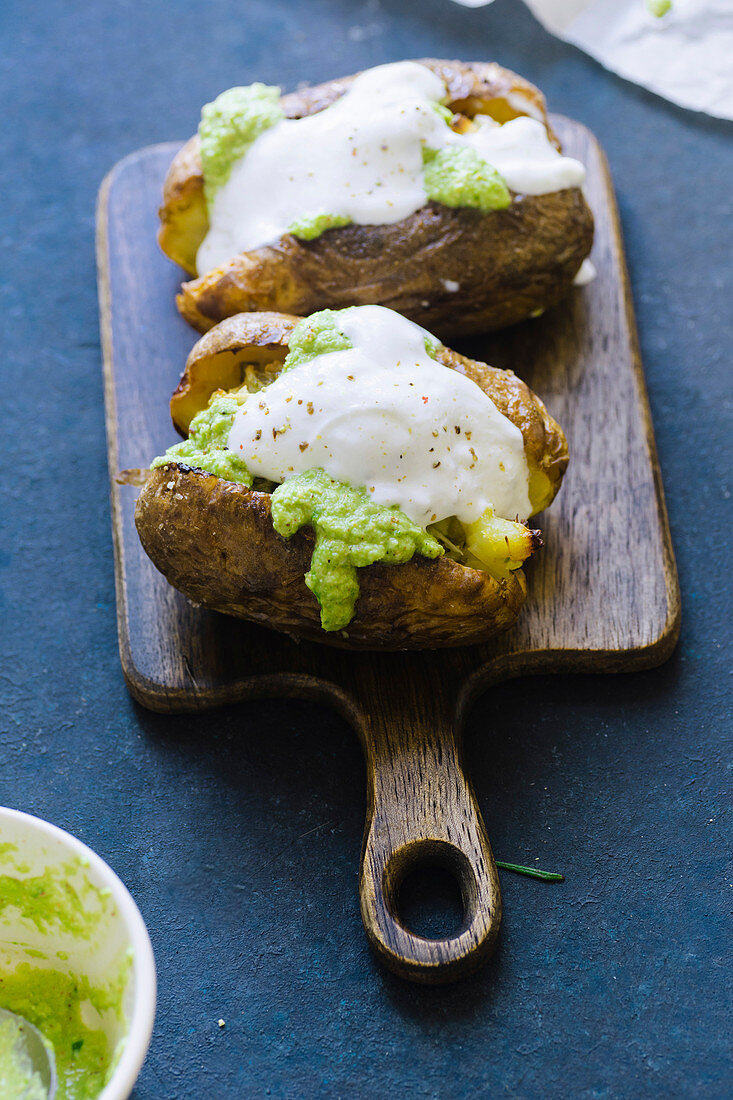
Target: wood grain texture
x=603, y=593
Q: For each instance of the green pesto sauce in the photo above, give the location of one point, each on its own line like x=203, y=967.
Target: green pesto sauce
x=318, y=334
x=351, y=532
x=458, y=176
x=310, y=226
x=206, y=447
x=432, y=346
x=18, y=1079
x=228, y=127
x=50, y=902
x=445, y=112
x=52, y=1002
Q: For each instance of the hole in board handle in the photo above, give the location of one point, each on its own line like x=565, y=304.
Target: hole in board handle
x=430, y=889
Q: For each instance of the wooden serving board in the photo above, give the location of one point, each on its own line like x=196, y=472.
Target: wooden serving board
x=603, y=593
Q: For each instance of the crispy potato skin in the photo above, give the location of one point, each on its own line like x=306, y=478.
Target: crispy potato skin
x=214, y=541
x=216, y=362
x=508, y=263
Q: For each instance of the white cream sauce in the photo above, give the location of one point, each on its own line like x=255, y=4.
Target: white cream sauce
x=361, y=158
x=522, y=153
x=385, y=416
x=586, y=274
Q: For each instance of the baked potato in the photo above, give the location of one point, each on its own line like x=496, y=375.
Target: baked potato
x=453, y=268
x=215, y=541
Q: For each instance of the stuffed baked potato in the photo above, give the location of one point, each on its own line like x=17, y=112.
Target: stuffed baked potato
x=458, y=265
x=221, y=534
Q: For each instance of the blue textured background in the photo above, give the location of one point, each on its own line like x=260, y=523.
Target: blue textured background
x=239, y=832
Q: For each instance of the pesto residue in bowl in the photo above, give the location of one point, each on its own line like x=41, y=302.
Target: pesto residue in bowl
x=61, y=906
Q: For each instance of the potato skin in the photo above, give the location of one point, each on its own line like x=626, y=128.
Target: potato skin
x=214, y=541
x=508, y=263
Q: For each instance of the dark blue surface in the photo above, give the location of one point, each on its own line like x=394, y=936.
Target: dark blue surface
x=239, y=832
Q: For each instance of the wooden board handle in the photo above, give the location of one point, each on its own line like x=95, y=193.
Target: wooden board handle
x=421, y=811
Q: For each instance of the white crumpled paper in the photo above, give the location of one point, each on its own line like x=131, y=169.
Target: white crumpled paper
x=686, y=56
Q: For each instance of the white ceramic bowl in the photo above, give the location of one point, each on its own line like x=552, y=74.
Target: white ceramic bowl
x=102, y=938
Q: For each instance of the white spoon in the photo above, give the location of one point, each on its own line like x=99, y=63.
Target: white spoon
x=33, y=1053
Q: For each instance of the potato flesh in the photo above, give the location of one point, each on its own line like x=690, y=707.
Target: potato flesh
x=499, y=545
x=229, y=370
x=495, y=545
